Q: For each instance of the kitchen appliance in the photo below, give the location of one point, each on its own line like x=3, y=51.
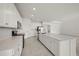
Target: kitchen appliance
x=14, y=33
x=41, y=29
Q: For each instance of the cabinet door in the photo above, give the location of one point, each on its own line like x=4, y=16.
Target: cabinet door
x=1, y=20
x=19, y=45
x=8, y=16
x=1, y=15
x=10, y=20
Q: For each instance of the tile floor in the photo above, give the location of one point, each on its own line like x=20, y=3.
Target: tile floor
x=34, y=48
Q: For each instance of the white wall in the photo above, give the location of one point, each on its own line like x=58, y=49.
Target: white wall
x=29, y=27
x=34, y=27
x=26, y=27
x=70, y=25
x=47, y=26
x=55, y=27
x=67, y=25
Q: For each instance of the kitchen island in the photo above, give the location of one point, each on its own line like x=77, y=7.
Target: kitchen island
x=59, y=45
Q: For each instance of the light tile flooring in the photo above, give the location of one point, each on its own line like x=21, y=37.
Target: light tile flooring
x=34, y=48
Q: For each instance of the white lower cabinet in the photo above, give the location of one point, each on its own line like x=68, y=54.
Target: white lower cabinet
x=7, y=52
x=16, y=52
x=11, y=47
x=18, y=49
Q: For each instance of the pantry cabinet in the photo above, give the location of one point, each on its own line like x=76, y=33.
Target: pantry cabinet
x=9, y=15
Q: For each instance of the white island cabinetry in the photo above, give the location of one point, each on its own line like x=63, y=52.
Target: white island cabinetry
x=59, y=45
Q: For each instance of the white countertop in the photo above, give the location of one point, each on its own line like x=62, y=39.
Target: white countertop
x=59, y=36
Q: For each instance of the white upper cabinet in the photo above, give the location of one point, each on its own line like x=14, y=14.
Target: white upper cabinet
x=8, y=15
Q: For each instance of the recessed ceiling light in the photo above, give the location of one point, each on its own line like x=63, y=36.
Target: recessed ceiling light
x=32, y=15
x=34, y=8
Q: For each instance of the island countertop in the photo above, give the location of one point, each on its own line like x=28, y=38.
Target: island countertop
x=59, y=36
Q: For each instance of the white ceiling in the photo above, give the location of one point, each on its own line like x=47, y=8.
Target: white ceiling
x=47, y=11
